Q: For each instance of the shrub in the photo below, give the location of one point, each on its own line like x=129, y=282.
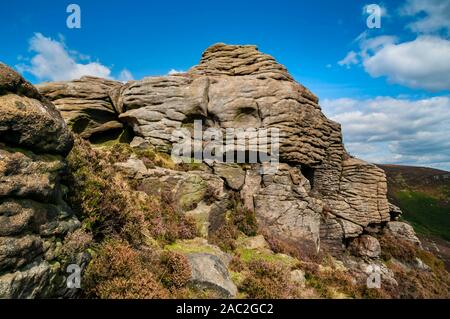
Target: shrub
x=236, y=264
x=120, y=271
x=225, y=237
x=140, y=286
x=266, y=281
x=302, y=250
x=109, y=206
x=75, y=243
x=177, y=270
x=414, y=282
x=397, y=248
x=94, y=193
x=229, y=222
x=167, y=223
x=243, y=218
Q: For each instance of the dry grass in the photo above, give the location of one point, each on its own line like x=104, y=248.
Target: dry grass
x=108, y=205
x=177, y=270
x=266, y=281
x=121, y=272
x=413, y=282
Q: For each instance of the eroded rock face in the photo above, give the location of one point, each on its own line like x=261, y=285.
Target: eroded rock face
x=366, y=246
x=209, y=272
x=33, y=216
x=87, y=104
x=28, y=119
x=319, y=194
x=283, y=204
x=403, y=231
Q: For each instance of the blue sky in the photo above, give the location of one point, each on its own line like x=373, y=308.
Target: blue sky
x=389, y=87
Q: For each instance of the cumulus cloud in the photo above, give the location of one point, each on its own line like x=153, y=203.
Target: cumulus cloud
x=422, y=63
x=383, y=10
x=433, y=15
x=350, y=59
x=173, y=72
x=125, y=76
x=395, y=130
x=53, y=61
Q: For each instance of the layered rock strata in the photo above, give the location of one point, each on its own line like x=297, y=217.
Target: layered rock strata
x=319, y=194
x=34, y=219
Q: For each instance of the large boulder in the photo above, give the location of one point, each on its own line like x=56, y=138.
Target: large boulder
x=29, y=120
x=366, y=246
x=87, y=104
x=209, y=272
x=33, y=215
x=319, y=193
x=403, y=231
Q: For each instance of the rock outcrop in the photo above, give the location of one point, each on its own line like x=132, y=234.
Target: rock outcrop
x=319, y=194
x=403, y=231
x=87, y=104
x=34, y=219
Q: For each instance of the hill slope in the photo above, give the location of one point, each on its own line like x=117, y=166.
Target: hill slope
x=424, y=196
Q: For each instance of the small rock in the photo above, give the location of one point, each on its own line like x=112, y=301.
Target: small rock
x=395, y=212
x=421, y=265
x=233, y=175
x=201, y=216
x=257, y=242
x=209, y=272
x=366, y=246
x=403, y=231
x=34, y=282
x=298, y=277
x=132, y=166
x=139, y=142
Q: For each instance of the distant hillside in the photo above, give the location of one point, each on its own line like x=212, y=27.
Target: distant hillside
x=424, y=196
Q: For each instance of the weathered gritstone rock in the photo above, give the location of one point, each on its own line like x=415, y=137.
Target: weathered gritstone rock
x=39, y=280
x=284, y=206
x=395, y=212
x=320, y=193
x=29, y=120
x=361, y=198
x=27, y=175
x=155, y=107
x=87, y=104
x=237, y=60
x=403, y=231
x=33, y=217
x=366, y=246
x=209, y=272
x=187, y=188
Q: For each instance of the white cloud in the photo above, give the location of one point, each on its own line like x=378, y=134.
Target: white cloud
x=434, y=15
x=384, y=12
x=125, y=76
x=53, y=61
x=395, y=130
x=173, y=72
x=422, y=63
x=372, y=45
x=350, y=59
